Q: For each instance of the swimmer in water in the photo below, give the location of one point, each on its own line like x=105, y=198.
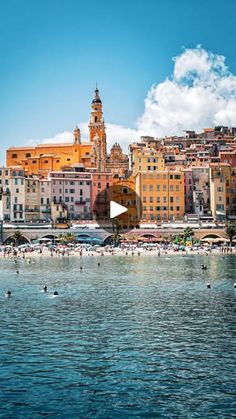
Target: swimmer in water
x=8, y=294
x=45, y=288
x=55, y=294
x=17, y=272
x=208, y=285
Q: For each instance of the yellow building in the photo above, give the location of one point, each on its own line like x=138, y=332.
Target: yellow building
x=161, y=194
x=147, y=160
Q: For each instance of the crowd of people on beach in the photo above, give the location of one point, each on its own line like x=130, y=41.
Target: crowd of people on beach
x=27, y=250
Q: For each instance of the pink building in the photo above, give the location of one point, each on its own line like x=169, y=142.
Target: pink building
x=73, y=189
x=100, y=182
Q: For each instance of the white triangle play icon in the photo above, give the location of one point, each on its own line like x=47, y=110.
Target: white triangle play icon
x=116, y=209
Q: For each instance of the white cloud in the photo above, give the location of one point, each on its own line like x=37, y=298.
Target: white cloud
x=200, y=93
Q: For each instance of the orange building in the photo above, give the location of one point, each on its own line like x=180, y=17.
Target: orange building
x=43, y=158
x=162, y=195
x=123, y=193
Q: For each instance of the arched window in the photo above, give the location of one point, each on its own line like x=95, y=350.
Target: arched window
x=96, y=119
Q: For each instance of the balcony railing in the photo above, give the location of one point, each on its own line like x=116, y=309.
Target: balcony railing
x=78, y=202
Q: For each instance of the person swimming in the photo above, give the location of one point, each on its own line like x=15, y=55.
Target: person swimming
x=17, y=272
x=208, y=285
x=55, y=294
x=8, y=294
x=45, y=288
x=204, y=267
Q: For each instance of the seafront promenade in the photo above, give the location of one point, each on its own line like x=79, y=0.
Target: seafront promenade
x=32, y=234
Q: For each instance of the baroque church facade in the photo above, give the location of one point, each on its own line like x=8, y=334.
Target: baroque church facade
x=91, y=155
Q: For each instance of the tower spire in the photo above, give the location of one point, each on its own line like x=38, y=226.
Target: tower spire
x=96, y=98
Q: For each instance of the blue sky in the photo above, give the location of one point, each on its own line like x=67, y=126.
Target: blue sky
x=54, y=51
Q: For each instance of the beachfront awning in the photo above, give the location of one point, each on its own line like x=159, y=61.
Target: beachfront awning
x=214, y=240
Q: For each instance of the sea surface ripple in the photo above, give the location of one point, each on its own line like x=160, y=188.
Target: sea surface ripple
x=138, y=337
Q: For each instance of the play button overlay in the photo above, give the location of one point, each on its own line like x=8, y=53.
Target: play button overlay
x=117, y=208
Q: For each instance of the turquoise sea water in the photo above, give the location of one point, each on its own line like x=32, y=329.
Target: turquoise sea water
x=136, y=337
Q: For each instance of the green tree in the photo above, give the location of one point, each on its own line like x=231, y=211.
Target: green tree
x=231, y=232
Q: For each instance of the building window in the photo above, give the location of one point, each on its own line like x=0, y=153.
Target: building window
x=14, y=156
x=28, y=155
x=45, y=161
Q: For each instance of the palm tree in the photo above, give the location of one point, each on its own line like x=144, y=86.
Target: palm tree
x=116, y=227
x=231, y=232
x=67, y=238
x=17, y=237
x=188, y=232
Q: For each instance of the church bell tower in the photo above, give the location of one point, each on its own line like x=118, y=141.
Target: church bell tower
x=97, y=133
